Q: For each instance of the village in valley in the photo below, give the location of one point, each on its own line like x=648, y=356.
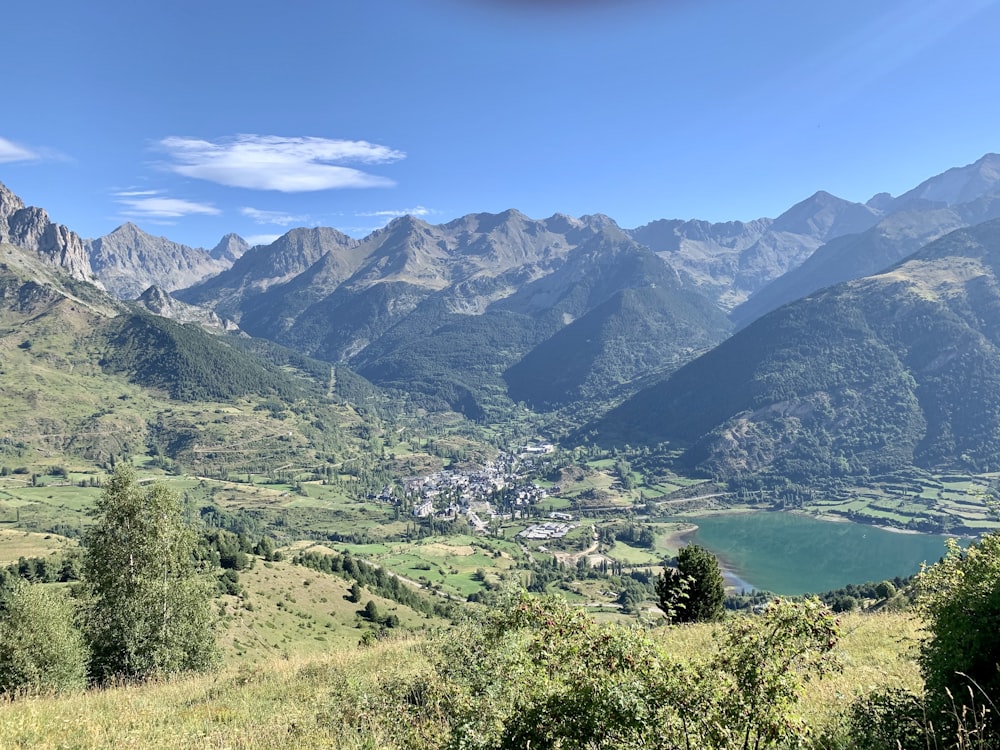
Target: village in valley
x=499, y=491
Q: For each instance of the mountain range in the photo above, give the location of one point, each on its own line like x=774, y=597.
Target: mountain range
x=447, y=310
x=87, y=375
x=831, y=370
x=897, y=369
x=128, y=261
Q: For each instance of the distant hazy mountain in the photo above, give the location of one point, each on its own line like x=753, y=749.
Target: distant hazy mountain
x=128, y=261
x=957, y=185
x=29, y=227
x=446, y=309
x=732, y=260
x=865, y=377
x=230, y=248
x=263, y=266
x=637, y=320
x=960, y=197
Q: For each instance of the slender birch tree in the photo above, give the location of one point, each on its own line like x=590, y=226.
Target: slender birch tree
x=149, y=607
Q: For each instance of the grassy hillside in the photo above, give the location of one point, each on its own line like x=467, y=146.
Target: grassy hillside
x=345, y=697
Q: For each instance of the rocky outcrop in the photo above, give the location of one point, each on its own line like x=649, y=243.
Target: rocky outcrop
x=159, y=302
x=30, y=228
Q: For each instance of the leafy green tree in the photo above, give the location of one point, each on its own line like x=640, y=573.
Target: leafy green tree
x=885, y=590
x=149, y=607
x=693, y=591
x=355, y=595
x=41, y=649
x=960, y=659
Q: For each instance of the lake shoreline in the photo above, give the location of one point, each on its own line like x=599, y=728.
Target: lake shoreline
x=792, y=552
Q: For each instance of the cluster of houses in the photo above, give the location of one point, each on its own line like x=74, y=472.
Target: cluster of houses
x=549, y=529
x=498, y=489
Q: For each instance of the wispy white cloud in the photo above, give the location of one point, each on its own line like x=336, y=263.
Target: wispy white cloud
x=261, y=239
x=151, y=204
x=269, y=162
x=279, y=218
x=10, y=151
x=131, y=193
x=394, y=213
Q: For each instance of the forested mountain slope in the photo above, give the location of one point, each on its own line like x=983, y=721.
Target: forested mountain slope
x=960, y=197
x=897, y=369
x=85, y=375
x=445, y=310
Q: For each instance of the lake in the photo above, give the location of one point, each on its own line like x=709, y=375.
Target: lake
x=789, y=553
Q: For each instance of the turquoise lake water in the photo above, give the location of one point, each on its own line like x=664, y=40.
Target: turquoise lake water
x=792, y=554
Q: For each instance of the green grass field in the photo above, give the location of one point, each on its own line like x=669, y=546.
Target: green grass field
x=330, y=697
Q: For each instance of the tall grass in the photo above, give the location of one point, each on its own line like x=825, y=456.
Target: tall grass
x=342, y=699
x=289, y=703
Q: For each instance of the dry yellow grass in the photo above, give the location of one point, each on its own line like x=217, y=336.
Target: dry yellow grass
x=332, y=700
x=875, y=650
x=15, y=544
x=278, y=704
x=296, y=611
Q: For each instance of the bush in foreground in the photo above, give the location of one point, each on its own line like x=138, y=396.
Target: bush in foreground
x=41, y=651
x=960, y=659
x=538, y=672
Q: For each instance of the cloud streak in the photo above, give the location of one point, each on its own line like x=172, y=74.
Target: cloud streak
x=395, y=213
x=10, y=152
x=278, y=218
x=150, y=204
x=288, y=165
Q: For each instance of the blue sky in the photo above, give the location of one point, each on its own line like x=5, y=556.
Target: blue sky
x=193, y=119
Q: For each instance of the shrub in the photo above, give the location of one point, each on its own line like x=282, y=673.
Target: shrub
x=960, y=600
x=537, y=672
x=887, y=718
x=41, y=651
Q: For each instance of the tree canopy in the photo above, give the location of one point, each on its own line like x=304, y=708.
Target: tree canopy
x=693, y=591
x=149, y=607
x=40, y=648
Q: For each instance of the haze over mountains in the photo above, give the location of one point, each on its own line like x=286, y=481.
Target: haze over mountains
x=493, y=309
x=128, y=261
x=863, y=378
x=960, y=197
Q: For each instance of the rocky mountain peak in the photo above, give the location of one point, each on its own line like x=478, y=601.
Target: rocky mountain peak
x=129, y=260
x=825, y=216
x=599, y=221
x=230, y=247
x=9, y=202
x=880, y=202
x=957, y=185
x=403, y=225
x=29, y=227
x=562, y=223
